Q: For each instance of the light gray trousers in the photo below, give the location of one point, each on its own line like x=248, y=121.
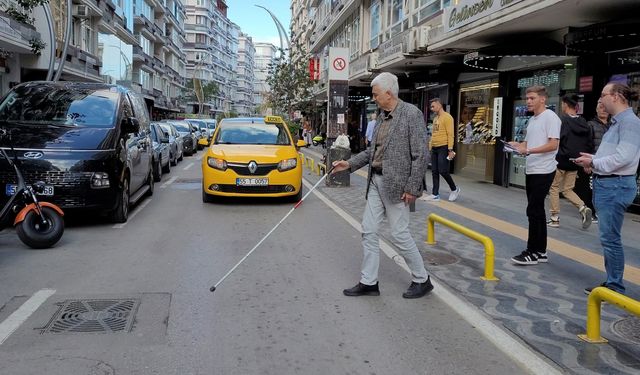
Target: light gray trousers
x=398, y=216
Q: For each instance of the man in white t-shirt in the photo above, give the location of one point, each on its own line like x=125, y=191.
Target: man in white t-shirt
x=540, y=147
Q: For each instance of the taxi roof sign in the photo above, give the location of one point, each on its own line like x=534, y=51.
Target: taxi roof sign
x=272, y=119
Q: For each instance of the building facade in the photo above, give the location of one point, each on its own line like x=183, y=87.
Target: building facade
x=478, y=58
x=243, y=103
x=265, y=56
x=211, y=52
x=134, y=43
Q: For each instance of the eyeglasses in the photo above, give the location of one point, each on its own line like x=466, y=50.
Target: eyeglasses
x=607, y=93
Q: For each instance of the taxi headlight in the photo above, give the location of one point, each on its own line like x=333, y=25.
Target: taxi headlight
x=287, y=164
x=218, y=164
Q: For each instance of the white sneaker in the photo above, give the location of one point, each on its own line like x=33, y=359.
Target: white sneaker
x=432, y=197
x=587, y=217
x=454, y=195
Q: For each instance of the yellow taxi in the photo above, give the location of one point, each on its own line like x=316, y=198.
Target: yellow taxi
x=252, y=157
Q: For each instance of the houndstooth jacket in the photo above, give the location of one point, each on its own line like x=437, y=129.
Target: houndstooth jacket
x=404, y=162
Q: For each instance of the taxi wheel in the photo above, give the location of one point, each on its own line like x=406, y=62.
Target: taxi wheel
x=207, y=198
x=295, y=198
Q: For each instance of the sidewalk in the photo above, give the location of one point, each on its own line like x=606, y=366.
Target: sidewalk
x=544, y=304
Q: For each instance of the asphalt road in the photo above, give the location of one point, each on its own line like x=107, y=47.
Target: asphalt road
x=281, y=312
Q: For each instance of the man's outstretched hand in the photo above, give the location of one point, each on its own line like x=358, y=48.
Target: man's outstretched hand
x=339, y=166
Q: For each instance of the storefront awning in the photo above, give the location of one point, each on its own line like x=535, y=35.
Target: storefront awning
x=604, y=37
x=517, y=55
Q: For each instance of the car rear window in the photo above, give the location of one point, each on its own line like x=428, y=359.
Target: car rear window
x=68, y=106
x=182, y=127
x=247, y=133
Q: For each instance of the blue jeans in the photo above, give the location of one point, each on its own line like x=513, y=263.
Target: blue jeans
x=612, y=197
x=378, y=206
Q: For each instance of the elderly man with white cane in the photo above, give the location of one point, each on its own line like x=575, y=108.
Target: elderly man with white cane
x=397, y=164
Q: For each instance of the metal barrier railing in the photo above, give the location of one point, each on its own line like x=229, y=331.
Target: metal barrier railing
x=489, y=250
x=594, y=303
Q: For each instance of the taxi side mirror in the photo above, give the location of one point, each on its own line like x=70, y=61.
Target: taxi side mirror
x=301, y=143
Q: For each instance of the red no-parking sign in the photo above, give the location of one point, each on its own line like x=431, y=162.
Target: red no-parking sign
x=338, y=64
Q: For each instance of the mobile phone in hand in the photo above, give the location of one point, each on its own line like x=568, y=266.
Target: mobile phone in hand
x=572, y=159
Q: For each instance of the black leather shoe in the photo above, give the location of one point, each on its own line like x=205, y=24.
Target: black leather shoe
x=417, y=290
x=362, y=290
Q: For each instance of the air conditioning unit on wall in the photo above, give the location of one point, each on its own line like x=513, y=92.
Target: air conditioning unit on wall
x=423, y=36
x=373, y=61
x=81, y=11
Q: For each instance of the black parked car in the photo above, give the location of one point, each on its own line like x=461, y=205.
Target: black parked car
x=161, y=151
x=88, y=142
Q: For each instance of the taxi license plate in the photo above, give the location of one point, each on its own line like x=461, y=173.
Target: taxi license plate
x=252, y=181
x=11, y=189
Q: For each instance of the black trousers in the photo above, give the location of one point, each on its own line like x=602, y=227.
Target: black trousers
x=537, y=186
x=440, y=167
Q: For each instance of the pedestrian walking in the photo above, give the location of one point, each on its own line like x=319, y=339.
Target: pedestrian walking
x=576, y=136
x=396, y=168
x=540, y=147
x=306, y=126
x=441, y=146
x=371, y=126
x=614, y=169
x=600, y=124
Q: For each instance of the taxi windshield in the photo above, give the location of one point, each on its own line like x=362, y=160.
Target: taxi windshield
x=252, y=133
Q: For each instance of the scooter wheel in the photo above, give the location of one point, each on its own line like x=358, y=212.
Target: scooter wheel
x=37, y=235
x=315, y=143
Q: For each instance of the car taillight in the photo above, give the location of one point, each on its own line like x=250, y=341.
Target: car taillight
x=287, y=164
x=217, y=163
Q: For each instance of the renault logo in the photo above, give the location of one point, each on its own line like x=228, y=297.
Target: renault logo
x=33, y=155
x=253, y=167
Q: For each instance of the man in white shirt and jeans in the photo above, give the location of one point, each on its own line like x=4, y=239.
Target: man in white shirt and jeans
x=540, y=147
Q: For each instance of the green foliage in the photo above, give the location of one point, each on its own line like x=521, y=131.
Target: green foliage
x=290, y=83
x=36, y=46
x=209, y=89
x=294, y=128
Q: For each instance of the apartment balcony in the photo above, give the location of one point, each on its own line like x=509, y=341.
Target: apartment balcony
x=15, y=36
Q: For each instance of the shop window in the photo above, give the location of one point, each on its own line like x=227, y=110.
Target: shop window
x=374, y=30
x=475, y=141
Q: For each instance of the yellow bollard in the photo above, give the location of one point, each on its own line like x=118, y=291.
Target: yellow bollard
x=489, y=250
x=594, y=304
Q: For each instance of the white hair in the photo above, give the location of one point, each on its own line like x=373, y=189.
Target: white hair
x=387, y=82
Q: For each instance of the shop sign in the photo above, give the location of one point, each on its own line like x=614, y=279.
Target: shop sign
x=389, y=50
x=543, y=79
x=467, y=11
x=358, y=66
x=497, y=117
x=586, y=84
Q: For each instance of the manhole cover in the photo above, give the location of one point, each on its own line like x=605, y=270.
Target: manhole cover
x=438, y=258
x=628, y=328
x=93, y=316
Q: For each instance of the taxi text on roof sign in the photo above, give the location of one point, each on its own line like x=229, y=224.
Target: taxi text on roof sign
x=273, y=119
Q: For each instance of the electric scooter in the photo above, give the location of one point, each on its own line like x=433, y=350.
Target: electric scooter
x=39, y=224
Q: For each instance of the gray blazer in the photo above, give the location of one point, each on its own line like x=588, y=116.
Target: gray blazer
x=404, y=161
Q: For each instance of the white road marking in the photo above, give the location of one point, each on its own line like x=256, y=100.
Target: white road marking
x=23, y=313
x=188, y=166
x=133, y=214
x=511, y=346
x=169, y=182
